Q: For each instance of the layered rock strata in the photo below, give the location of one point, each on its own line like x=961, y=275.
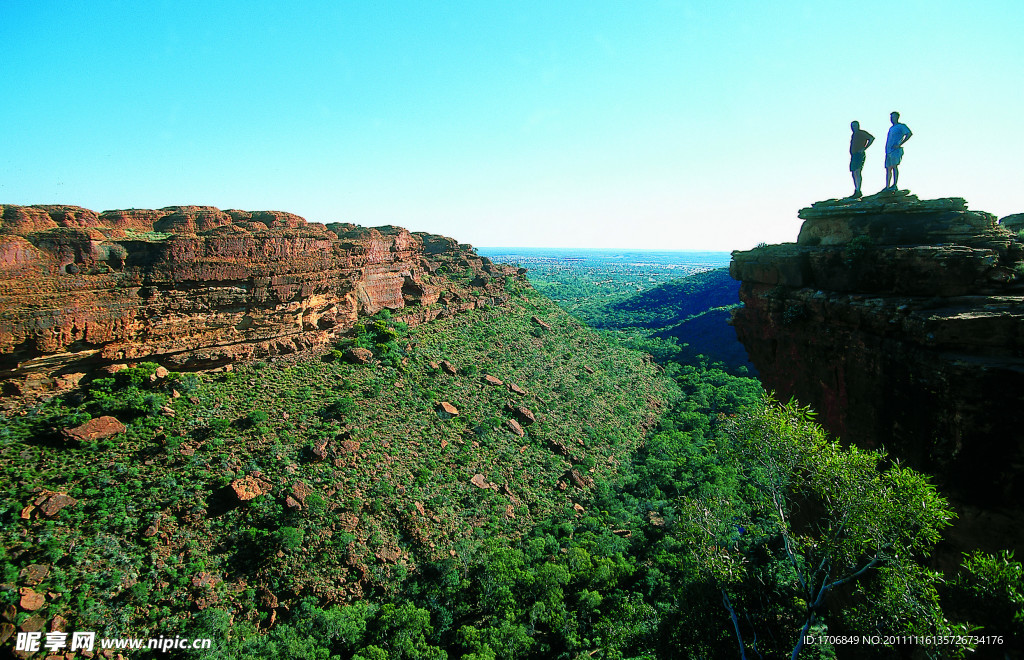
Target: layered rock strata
x=195, y=287
x=901, y=322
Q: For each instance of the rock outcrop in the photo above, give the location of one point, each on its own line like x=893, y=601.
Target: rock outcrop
x=901, y=322
x=195, y=287
x=99, y=428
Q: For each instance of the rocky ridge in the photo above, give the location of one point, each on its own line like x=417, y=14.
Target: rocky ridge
x=901, y=322
x=195, y=287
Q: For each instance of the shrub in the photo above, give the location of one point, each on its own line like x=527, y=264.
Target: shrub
x=219, y=426
x=341, y=407
x=290, y=538
x=186, y=383
x=257, y=417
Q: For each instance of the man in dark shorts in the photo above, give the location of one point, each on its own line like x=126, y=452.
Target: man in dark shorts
x=859, y=143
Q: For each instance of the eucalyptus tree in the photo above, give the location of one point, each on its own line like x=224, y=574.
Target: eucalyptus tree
x=803, y=518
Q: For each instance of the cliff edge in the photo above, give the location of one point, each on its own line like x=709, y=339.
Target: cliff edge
x=901, y=322
x=194, y=287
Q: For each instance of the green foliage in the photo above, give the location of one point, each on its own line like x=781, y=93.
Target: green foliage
x=858, y=250
x=185, y=383
x=341, y=407
x=798, y=516
x=640, y=305
x=147, y=236
x=705, y=517
x=381, y=335
x=988, y=591
x=290, y=538
x=127, y=394
x=257, y=417
x=666, y=304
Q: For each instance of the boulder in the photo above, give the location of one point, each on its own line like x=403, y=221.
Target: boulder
x=580, y=480
x=30, y=600
x=33, y=574
x=99, y=428
x=301, y=490
x=250, y=487
x=52, y=504
x=34, y=623
x=522, y=414
x=446, y=408
x=320, y=450
x=359, y=355
x=542, y=324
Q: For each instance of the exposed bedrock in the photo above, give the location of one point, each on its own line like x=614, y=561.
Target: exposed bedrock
x=193, y=287
x=901, y=322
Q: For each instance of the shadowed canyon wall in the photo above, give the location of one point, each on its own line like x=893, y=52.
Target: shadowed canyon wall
x=195, y=287
x=901, y=322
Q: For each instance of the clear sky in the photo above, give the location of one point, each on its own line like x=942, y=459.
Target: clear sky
x=673, y=125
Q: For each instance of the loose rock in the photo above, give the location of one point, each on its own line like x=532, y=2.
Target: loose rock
x=250, y=487
x=99, y=428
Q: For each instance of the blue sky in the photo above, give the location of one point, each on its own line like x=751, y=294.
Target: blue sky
x=669, y=125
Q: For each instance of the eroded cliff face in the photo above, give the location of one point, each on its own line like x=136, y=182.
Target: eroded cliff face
x=901, y=321
x=196, y=287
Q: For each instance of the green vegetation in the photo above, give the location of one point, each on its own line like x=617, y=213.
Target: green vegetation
x=648, y=511
x=678, y=321
x=705, y=545
x=380, y=482
x=148, y=236
x=687, y=319
x=665, y=304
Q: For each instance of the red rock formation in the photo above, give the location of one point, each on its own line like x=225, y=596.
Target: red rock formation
x=196, y=287
x=447, y=409
x=99, y=428
x=250, y=487
x=901, y=322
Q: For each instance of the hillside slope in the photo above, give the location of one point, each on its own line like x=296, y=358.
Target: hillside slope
x=693, y=312
x=330, y=479
x=669, y=303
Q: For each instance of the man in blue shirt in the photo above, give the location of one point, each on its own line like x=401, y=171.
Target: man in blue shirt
x=898, y=134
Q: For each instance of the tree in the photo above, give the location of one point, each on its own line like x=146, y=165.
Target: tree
x=806, y=517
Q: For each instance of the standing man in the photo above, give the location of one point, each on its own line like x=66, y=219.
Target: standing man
x=898, y=134
x=859, y=143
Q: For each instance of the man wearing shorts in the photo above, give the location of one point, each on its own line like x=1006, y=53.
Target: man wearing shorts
x=859, y=143
x=898, y=134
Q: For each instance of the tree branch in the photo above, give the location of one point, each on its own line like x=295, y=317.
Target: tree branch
x=789, y=549
x=735, y=623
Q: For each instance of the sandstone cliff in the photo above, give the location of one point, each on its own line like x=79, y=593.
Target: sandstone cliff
x=901, y=321
x=195, y=287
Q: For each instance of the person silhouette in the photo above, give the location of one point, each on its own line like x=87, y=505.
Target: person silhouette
x=898, y=135
x=859, y=143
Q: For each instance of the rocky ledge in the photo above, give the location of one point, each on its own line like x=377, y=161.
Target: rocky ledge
x=194, y=287
x=901, y=322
